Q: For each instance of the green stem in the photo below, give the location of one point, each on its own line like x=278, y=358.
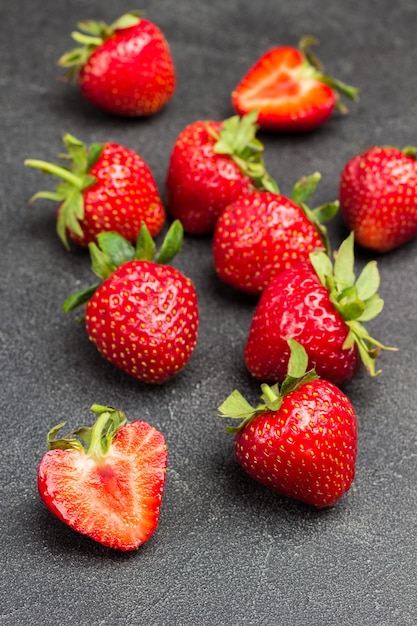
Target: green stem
x=56, y=170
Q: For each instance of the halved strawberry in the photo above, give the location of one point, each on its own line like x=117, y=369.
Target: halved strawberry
x=288, y=88
x=106, y=481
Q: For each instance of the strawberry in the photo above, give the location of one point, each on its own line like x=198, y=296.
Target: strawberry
x=106, y=481
x=143, y=317
x=301, y=440
x=378, y=197
x=107, y=188
x=322, y=307
x=125, y=68
x=262, y=233
x=211, y=164
x=289, y=90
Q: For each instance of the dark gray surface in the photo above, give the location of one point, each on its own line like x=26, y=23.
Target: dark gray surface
x=227, y=551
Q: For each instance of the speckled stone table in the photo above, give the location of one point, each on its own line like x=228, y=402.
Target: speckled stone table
x=227, y=551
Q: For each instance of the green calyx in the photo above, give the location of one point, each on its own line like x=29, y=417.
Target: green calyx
x=301, y=193
x=237, y=138
x=356, y=299
x=237, y=407
x=410, y=151
x=96, y=440
x=113, y=250
x=93, y=35
x=75, y=180
x=313, y=67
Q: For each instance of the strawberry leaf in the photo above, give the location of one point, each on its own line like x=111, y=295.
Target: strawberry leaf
x=145, y=245
x=237, y=139
x=373, y=307
x=118, y=249
x=236, y=406
x=344, y=263
x=97, y=438
x=304, y=188
x=171, y=244
x=322, y=265
x=356, y=302
x=75, y=179
x=368, y=281
x=79, y=298
x=326, y=212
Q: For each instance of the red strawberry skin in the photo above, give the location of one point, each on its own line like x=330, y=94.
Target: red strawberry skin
x=115, y=502
x=296, y=305
x=124, y=196
x=286, y=98
x=378, y=198
x=306, y=450
x=201, y=183
x=132, y=73
x=144, y=319
x=259, y=236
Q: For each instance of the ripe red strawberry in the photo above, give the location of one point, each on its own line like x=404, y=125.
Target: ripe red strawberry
x=262, y=234
x=289, y=90
x=301, y=441
x=143, y=317
x=106, y=481
x=125, y=68
x=323, y=309
x=106, y=188
x=378, y=197
x=212, y=163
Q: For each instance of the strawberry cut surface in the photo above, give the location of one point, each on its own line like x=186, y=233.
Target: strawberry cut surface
x=285, y=96
x=115, y=500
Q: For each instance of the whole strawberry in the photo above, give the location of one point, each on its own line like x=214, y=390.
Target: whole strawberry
x=125, y=68
x=143, y=317
x=290, y=91
x=301, y=440
x=211, y=164
x=106, y=188
x=323, y=307
x=261, y=234
x=378, y=197
x=106, y=481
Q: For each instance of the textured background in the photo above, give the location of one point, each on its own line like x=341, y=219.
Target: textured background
x=227, y=551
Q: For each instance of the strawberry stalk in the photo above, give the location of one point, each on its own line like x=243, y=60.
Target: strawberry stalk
x=76, y=179
x=356, y=300
x=237, y=407
x=313, y=67
x=113, y=250
x=237, y=139
x=95, y=441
